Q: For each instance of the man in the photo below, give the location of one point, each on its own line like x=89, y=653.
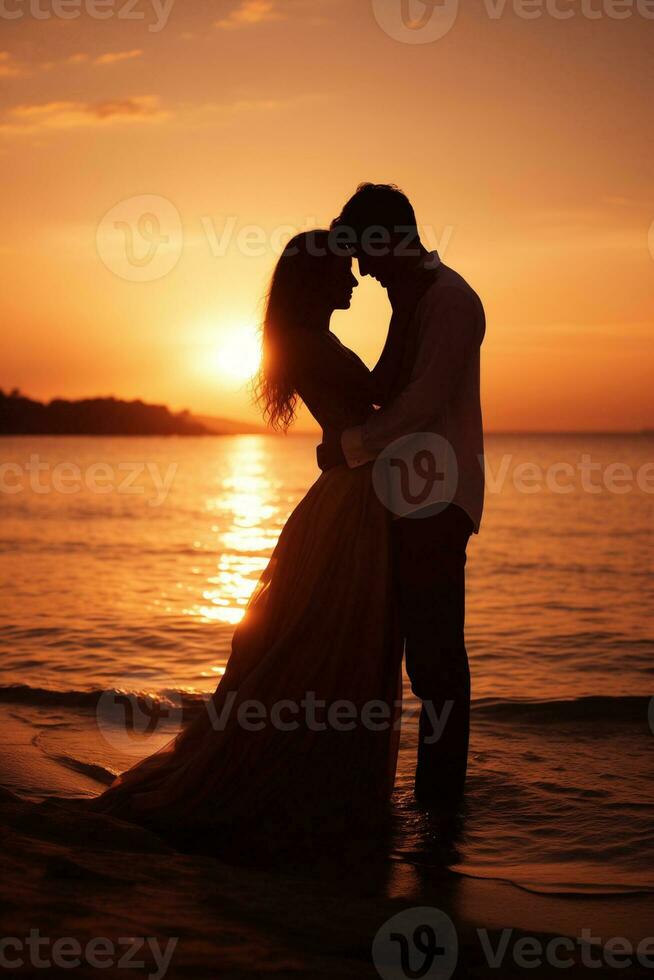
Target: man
x=438, y=324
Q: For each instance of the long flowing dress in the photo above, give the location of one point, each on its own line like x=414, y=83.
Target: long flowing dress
x=301, y=734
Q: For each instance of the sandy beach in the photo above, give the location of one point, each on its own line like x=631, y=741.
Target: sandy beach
x=79, y=876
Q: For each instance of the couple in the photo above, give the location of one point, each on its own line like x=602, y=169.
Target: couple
x=301, y=735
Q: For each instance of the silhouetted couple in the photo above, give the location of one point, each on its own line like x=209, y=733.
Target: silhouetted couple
x=302, y=732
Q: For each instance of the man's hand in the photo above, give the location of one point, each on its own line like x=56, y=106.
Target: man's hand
x=330, y=452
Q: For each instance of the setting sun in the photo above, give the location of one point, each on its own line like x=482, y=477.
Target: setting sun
x=238, y=354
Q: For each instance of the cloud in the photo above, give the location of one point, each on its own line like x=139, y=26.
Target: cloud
x=126, y=107
x=66, y=115
x=80, y=58
x=112, y=57
x=8, y=67
x=83, y=58
x=250, y=12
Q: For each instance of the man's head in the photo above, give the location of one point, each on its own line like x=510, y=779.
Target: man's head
x=380, y=222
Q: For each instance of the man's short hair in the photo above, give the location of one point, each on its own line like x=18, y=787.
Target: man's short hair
x=379, y=206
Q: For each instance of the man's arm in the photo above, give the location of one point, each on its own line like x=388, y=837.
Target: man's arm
x=330, y=452
x=390, y=362
x=450, y=332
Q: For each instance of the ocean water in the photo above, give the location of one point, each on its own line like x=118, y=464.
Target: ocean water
x=126, y=564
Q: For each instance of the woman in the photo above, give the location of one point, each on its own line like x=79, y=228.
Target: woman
x=301, y=734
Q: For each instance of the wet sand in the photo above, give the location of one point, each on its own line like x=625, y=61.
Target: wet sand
x=70, y=873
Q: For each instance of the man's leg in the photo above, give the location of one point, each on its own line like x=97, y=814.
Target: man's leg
x=430, y=556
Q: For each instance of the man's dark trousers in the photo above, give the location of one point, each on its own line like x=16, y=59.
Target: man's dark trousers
x=429, y=557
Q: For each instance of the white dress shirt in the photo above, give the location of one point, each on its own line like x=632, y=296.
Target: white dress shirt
x=442, y=396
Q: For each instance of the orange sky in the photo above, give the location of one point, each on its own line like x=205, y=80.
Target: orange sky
x=525, y=144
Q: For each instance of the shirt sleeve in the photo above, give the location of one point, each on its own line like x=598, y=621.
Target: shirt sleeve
x=449, y=331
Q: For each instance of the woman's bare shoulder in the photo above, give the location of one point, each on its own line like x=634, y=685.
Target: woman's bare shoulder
x=320, y=356
x=312, y=345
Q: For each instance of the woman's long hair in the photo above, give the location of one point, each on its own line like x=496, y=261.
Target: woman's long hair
x=295, y=285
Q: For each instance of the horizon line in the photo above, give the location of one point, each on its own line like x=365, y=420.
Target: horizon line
x=644, y=430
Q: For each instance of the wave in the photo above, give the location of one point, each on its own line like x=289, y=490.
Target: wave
x=93, y=770
x=591, y=708
x=90, y=700
x=566, y=889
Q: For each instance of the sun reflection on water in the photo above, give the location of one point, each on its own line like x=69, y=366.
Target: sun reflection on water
x=246, y=522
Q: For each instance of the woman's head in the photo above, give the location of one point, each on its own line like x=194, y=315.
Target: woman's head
x=310, y=281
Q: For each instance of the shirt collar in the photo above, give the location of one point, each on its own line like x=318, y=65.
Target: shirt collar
x=432, y=260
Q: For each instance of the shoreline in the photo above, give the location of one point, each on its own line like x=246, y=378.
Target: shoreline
x=55, y=751
x=71, y=873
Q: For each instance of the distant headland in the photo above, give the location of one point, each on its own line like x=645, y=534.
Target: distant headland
x=20, y=415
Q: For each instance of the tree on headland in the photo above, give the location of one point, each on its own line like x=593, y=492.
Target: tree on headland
x=20, y=415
